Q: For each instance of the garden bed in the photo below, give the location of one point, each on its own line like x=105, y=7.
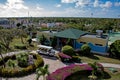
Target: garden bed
x=16, y=70
x=63, y=73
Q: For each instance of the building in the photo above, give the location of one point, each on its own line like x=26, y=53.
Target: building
x=98, y=42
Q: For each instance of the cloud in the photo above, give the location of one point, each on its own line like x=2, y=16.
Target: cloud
x=117, y=4
x=58, y=5
x=68, y=1
x=83, y=3
x=15, y=4
x=17, y=8
x=107, y=4
x=96, y=3
x=100, y=4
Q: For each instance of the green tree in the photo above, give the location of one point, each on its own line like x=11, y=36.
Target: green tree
x=6, y=37
x=115, y=49
x=42, y=71
x=11, y=63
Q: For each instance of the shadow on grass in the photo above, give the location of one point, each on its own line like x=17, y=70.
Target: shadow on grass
x=106, y=75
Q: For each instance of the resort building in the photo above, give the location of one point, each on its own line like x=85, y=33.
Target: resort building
x=76, y=38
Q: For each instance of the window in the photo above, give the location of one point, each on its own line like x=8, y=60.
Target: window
x=83, y=42
x=99, y=44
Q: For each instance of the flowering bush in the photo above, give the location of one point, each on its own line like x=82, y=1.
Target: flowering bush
x=64, y=72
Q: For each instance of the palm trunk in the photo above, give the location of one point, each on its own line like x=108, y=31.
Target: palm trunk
x=2, y=59
x=22, y=39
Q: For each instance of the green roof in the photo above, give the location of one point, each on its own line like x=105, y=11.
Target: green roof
x=70, y=33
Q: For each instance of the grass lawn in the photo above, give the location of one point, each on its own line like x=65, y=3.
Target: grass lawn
x=18, y=41
x=99, y=58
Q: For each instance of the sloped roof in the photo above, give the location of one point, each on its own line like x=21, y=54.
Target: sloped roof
x=70, y=33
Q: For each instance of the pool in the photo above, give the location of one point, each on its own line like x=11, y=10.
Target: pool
x=114, y=36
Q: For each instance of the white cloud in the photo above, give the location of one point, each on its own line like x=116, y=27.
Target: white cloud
x=117, y=4
x=68, y=1
x=58, y=5
x=83, y=3
x=96, y=3
x=107, y=4
x=15, y=4
x=17, y=8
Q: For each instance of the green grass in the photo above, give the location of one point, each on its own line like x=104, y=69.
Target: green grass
x=99, y=58
x=18, y=41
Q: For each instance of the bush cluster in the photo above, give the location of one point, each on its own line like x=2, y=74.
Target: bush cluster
x=18, y=72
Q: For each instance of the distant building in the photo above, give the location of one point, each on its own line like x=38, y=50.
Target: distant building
x=5, y=23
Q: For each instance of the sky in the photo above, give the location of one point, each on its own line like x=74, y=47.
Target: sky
x=60, y=8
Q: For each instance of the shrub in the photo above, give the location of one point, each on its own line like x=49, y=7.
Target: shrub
x=20, y=46
x=68, y=50
x=115, y=49
x=85, y=49
x=22, y=59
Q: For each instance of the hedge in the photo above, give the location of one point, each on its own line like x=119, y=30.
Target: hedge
x=16, y=72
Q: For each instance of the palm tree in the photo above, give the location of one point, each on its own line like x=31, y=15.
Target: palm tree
x=94, y=70
x=2, y=55
x=42, y=71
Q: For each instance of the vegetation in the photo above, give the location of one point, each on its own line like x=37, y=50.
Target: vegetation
x=85, y=49
x=12, y=68
x=6, y=37
x=42, y=71
x=68, y=50
x=63, y=73
x=115, y=49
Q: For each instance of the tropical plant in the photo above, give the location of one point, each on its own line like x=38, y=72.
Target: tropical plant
x=22, y=59
x=11, y=63
x=42, y=71
x=95, y=69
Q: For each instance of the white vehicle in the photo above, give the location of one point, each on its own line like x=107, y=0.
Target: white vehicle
x=48, y=50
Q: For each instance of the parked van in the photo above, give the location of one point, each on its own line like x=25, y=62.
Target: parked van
x=47, y=50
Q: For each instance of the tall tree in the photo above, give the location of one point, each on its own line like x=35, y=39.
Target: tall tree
x=6, y=36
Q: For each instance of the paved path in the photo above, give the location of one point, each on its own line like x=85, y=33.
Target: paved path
x=53, y=65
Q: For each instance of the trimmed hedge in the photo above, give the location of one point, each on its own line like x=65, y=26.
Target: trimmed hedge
x=68, y=50
x=16, y=72
x=85, y=49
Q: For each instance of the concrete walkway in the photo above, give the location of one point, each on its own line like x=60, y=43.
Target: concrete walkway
x=53, y=65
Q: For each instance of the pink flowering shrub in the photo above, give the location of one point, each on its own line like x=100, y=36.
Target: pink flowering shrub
x=62, y=55
x=62, y=73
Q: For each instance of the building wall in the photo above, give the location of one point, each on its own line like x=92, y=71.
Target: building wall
x=92, y=42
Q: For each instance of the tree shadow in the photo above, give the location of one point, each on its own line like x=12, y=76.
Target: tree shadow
x=106, y=75
x=93, y=57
